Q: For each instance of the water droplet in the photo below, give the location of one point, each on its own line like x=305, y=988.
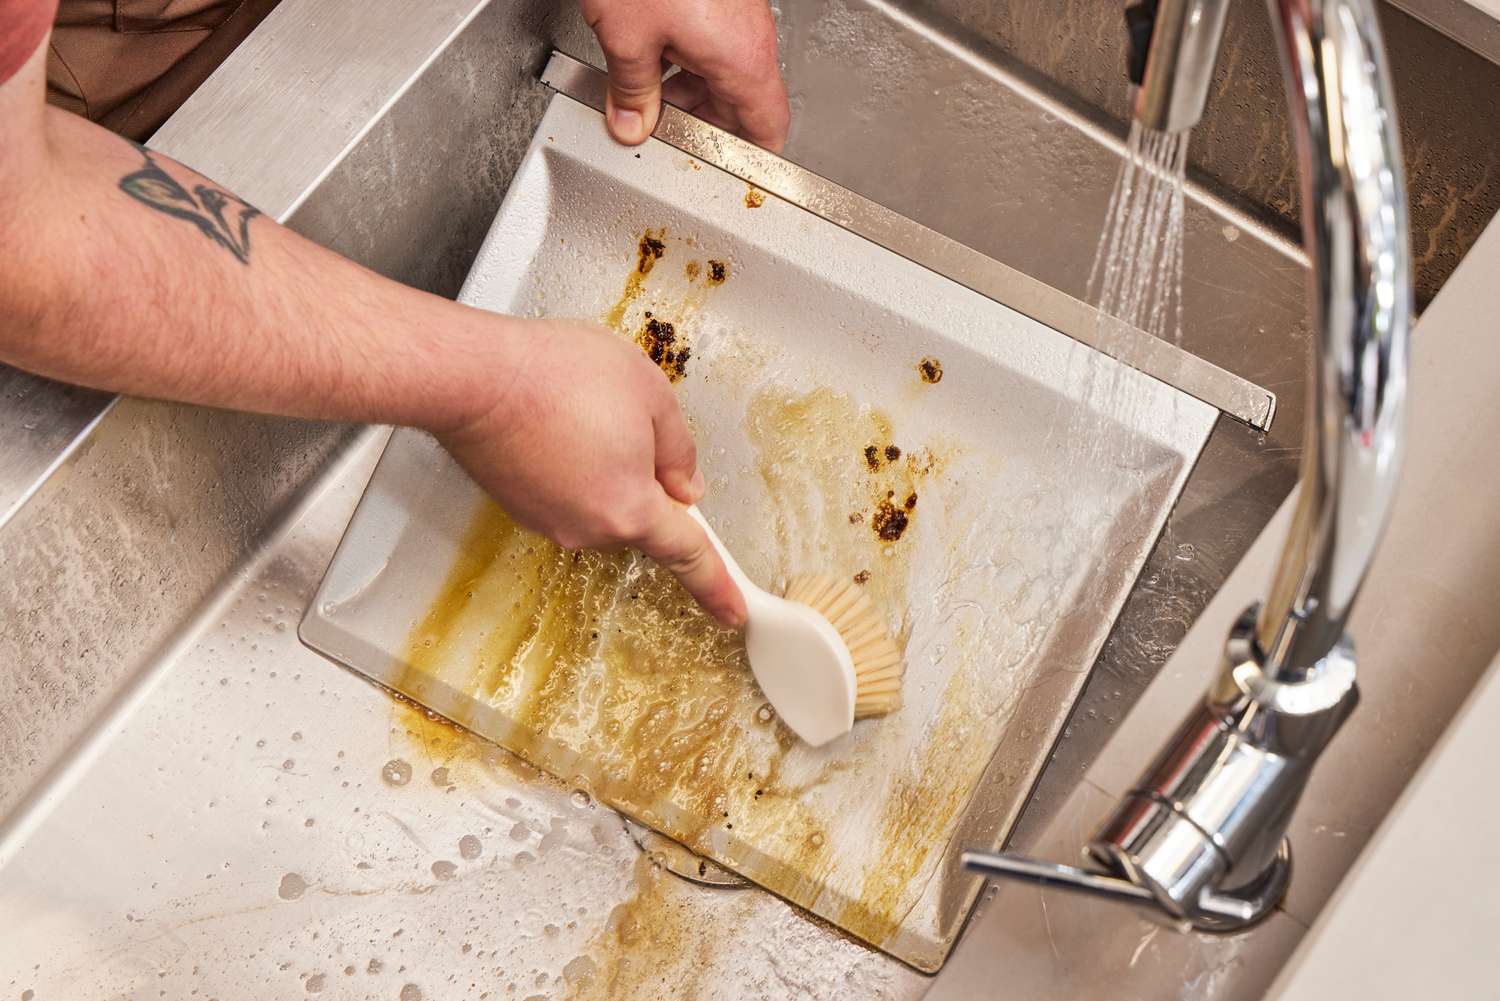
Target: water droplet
x=579, y=971
x=443, y=869
x=315, y=983
x=396, y=772
x=581, y=799
x=469, y=847
x=440, y=777
x=292, y=887
x=287, y=765
x=520, y=832
x=764, y=714
x=411, y=992
x=1185, y=551
x=374, y=966
x=816, y=840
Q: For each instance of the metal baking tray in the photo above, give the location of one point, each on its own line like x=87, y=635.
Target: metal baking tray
x=1039, y=471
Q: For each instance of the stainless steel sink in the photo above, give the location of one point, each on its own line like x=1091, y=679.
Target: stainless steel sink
x=192, y=801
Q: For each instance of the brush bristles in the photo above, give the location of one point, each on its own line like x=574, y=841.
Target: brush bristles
x=877, y=660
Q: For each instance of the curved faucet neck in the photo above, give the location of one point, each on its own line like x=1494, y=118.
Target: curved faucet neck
x=1355, y=232
x=1201, y=834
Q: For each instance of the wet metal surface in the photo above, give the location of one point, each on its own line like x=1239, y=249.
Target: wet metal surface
x=1447, y=96
x=169, y=508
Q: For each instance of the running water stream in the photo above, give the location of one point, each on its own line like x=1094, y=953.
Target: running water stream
x=1136, y=280
x=1135, y=283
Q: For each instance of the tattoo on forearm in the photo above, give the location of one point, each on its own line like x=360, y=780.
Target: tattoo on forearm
x=220, y=216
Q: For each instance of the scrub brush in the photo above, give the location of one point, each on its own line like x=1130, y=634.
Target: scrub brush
x=821, y=654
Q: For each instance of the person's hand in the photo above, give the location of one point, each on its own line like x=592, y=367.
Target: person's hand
x=587, y=446
x=730, y=75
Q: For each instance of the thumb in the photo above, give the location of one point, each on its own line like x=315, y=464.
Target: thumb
x=676, y=454
x=634, y=101
x=677, y=542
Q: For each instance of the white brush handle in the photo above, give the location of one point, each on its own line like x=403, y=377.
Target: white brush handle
x=798, y=658
x=748, y=588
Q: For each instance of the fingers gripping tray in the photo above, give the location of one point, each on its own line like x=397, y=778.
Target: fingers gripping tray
x=854, y=413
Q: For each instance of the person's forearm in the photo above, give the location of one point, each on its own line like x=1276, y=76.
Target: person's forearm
x=130, y=273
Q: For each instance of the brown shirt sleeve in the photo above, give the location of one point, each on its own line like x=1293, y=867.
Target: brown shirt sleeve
x=23, y=25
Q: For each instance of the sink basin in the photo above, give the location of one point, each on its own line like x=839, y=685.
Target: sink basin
x=190, y=800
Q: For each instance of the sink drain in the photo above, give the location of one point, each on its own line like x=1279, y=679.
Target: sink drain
x=673, y=857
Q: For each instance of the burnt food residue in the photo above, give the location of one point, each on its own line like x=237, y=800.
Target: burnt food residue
x=693, y=267
x=889, y=520
x=873, y=454
x=931, y=370
x=649, y=251
x=754, y=198
x=717, y=272
x=658, y=338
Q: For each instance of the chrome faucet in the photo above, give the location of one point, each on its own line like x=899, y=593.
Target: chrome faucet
x=1202, y=834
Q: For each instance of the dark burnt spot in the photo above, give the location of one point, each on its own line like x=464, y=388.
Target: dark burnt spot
x=892, y=453
x=658, y=338
x=911, y=502
x=931, y=370
x=889, y=521
x=863, y=577
x=650, y=250
x=872, y=456
x=717, y=272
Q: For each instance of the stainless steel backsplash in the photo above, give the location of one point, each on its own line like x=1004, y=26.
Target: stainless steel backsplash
x=1448, y=98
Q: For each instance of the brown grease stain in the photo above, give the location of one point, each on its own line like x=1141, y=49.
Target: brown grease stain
x=754, y=198
x=889, y=521
x=650, y=248
x=917, y=815
x=602, y=670
x=890, y=516
x=658, y=338
x=647, y=932
x=439, y=743
x=606, y=672
x=693, y=268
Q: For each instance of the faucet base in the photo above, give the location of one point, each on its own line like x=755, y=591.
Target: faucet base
x=1201, y=835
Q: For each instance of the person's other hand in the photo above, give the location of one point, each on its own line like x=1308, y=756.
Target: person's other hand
x=730, y=75
x=588, y=446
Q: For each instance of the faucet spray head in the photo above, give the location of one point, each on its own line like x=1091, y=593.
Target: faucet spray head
x=1173, y=44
